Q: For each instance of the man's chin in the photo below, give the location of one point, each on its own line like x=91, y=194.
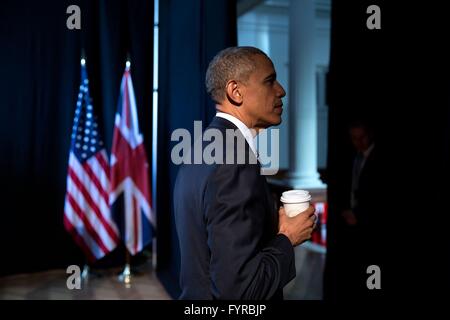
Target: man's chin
x=277, y=121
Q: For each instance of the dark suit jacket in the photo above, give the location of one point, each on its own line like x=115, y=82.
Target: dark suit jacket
x=227, y=227
x=366, y=192
x=365, y=235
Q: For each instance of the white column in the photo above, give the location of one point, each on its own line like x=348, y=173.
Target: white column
x=302, y=97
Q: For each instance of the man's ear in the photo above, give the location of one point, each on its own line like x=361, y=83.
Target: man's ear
x=234, y=94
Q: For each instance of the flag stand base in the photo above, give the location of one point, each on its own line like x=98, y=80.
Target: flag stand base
x=125, y=276
x=85, y=273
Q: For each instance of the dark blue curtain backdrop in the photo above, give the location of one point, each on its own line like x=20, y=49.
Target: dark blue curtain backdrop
x=40, y=76
x=398, y=78
x=191, y=33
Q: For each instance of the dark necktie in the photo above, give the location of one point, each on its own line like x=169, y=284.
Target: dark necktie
x=357, y=166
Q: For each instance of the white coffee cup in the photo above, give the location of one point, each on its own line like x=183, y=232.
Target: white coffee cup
x=295, y=201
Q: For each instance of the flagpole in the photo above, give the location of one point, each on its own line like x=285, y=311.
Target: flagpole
x=128, y=61
x=85, y=272
x=154, y=260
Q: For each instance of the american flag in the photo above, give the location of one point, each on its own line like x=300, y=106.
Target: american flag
x=130, y=184
x=87, y=215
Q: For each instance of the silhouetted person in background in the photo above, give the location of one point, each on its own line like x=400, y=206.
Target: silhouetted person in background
x=362, y=139
x=358, y=227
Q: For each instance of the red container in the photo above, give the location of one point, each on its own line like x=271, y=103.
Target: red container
x=319, y=235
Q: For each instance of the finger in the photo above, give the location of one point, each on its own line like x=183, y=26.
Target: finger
x=281, y=211
x=310, y=211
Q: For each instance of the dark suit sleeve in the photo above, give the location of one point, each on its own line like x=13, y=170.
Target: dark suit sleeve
x=242, y=266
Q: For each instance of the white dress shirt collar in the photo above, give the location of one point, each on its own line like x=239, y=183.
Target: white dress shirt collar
x=249, y=137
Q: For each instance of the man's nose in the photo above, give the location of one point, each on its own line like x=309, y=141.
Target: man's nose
x=281, y=92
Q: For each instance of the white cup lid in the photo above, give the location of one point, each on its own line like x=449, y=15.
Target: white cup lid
x=295, y=196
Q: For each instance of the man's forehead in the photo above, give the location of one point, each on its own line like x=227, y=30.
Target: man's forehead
x=358, y=131
x=263, y=59
x=264, y=64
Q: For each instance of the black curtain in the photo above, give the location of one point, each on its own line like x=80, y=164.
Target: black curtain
x=398, y=77
x=40, y=63
x=191, y=33
x=356, y=90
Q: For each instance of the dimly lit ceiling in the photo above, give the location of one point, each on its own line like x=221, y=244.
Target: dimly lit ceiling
x=243, y=6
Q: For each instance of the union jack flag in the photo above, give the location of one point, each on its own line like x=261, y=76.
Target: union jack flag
x=130, y=185
x=87, y=215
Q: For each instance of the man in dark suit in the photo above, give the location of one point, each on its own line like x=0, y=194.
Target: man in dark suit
x=359, y=228
x=233, y=242
x=362, y=139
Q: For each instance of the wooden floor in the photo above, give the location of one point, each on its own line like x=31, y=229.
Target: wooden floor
x=100, y=285
x=309, y=264
x=105, y=284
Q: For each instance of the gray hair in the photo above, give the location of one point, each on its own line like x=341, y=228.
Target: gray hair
x=230, y=63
